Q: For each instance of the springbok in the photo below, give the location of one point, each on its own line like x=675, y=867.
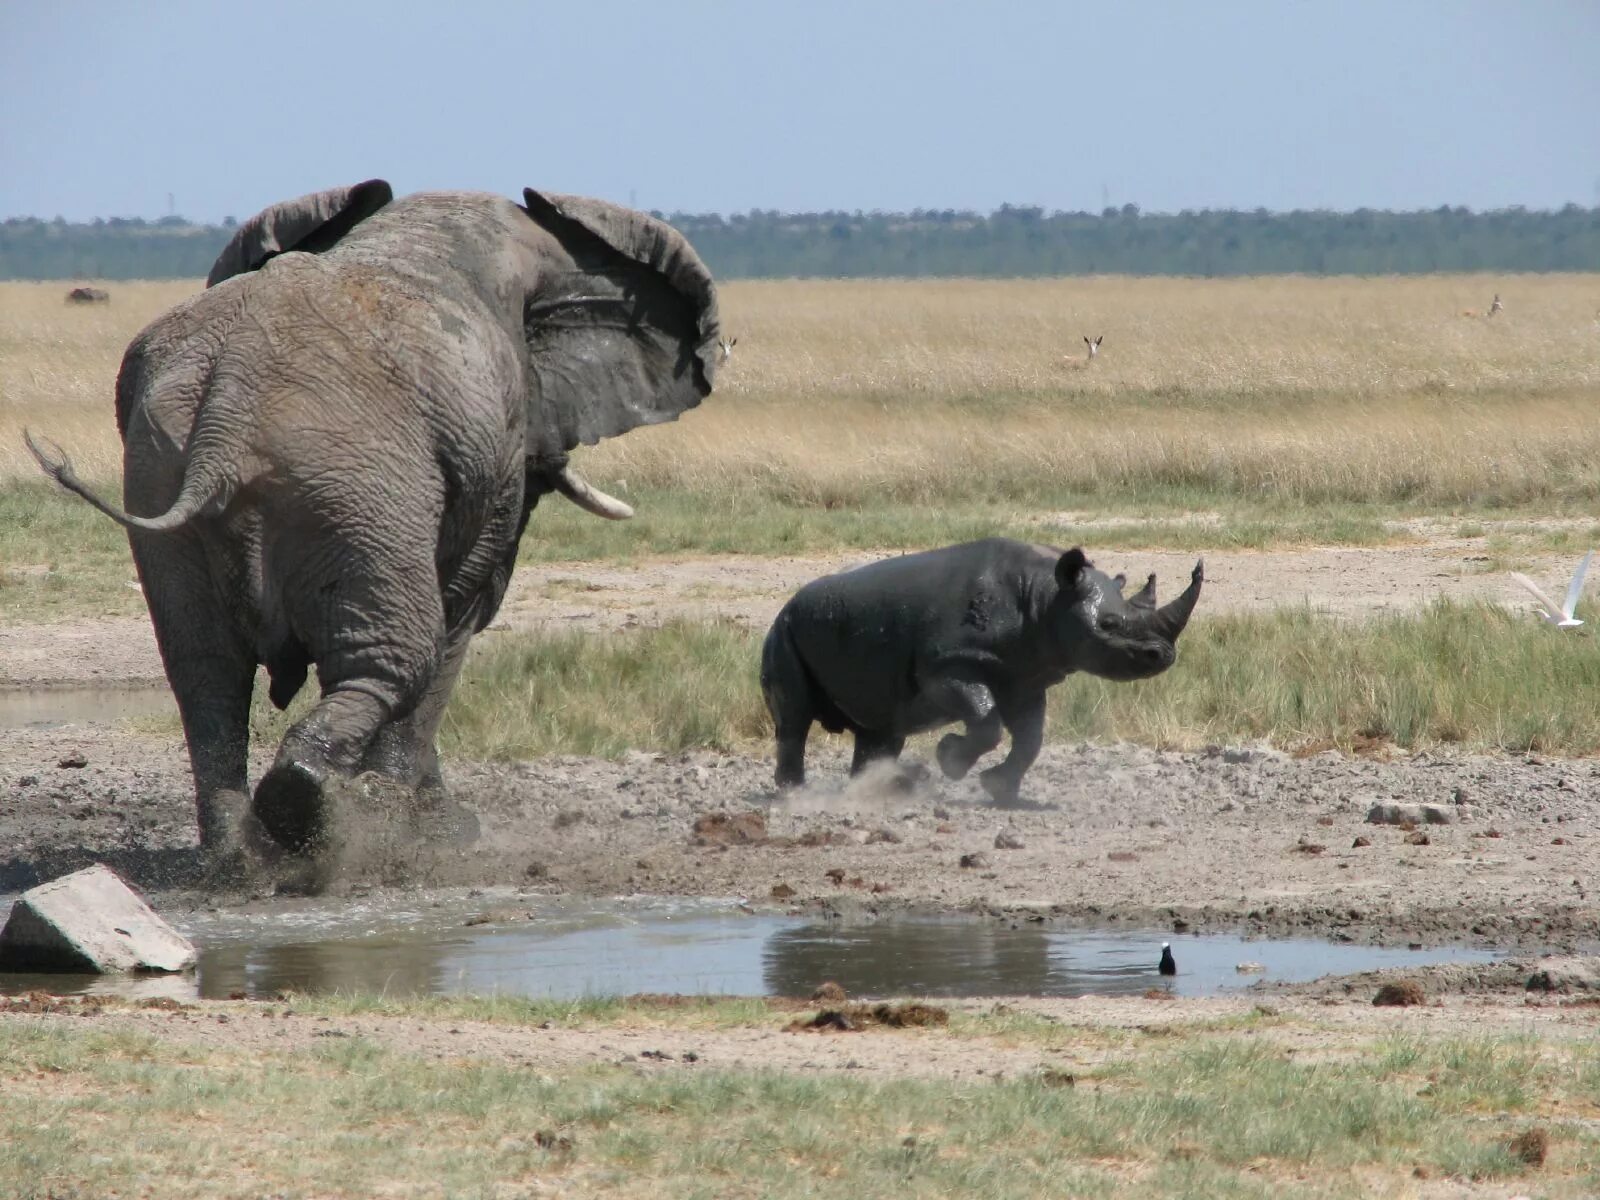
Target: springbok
x=1494, y=307
x=726, y=345
x=1083, y=360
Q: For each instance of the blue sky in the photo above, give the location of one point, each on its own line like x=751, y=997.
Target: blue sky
x=107, y=108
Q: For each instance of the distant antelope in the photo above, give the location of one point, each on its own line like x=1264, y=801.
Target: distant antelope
x=1083, y=360
x=1494, y=307
x=726, y=345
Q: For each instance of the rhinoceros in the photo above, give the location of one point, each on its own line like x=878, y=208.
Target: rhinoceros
x=973, y=633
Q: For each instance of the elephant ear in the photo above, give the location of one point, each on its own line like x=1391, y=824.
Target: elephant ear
x=311, y=223
x=625, y=337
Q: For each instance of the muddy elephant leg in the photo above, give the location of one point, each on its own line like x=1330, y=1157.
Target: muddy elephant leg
x=1024, y=719
x=376, y=633
x=211, y=671
x=871, y=747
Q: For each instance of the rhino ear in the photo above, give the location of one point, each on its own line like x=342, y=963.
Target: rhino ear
x=625, y=335
x=1070, y=566
x=310, y=223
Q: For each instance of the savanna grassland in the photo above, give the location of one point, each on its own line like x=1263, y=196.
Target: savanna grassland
x=879, y=415
x=1221, y=417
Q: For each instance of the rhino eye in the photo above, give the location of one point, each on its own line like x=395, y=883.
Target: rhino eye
x=1111, y=621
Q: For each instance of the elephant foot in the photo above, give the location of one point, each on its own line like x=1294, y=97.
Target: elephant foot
x=952, y=761
x=291, y=805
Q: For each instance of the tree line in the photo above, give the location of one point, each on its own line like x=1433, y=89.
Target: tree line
x=1010, y=242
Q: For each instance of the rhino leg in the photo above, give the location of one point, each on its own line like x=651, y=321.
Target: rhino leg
x=872, y=746
x=1024, y=719
x=957, y=752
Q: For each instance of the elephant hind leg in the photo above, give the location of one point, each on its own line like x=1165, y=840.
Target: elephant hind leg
x=376, y=633
x=870, y=747
x=211, y=669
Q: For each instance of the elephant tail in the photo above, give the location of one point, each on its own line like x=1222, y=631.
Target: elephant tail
x=199, y=489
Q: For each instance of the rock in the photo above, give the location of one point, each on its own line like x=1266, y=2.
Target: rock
x=74, y=761
x=731, y=829
x=1418, y=839
x=1006, y=839
x=90, y=921
x=1360, y=842
x=1388, y=813
x=1401, y=994
x=975, y=861
x=1249, y=968
x=883, y=835
x=782, y=891
x=1566, y=974
x=829, y=992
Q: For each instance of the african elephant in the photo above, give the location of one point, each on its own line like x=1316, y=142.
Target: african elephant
x=335, y=449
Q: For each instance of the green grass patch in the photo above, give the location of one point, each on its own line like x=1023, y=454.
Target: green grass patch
x=1467, y=675
x=90, y=1112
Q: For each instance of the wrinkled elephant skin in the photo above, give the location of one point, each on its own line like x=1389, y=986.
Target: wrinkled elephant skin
x=334, y=450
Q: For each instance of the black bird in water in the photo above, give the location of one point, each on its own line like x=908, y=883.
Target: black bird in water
x=1168, y=965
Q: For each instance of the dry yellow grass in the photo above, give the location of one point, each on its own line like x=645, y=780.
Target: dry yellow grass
x=1285, y=388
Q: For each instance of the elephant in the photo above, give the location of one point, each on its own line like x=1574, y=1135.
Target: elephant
x=336, y=446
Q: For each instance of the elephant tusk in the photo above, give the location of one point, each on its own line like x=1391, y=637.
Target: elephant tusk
x=590, y=498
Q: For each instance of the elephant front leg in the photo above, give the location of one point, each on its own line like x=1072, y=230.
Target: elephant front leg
x=1025, y=721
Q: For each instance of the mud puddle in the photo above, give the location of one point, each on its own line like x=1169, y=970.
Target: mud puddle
x=535, y=947
x=52, y=708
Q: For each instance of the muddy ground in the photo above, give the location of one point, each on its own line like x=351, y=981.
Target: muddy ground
x=1232, y=838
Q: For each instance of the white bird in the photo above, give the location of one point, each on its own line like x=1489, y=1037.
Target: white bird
x=1560, y=617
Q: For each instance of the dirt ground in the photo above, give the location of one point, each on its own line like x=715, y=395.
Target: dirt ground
x=1222, y=839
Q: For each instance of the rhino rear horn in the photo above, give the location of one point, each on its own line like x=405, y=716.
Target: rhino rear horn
x=1145, y=597
x=1170, y=619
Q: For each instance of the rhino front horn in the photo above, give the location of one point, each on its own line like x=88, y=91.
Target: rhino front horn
x=1170, y=618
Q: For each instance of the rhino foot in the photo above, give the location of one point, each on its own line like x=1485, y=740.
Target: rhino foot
x=1001, y=789
x=953, y=760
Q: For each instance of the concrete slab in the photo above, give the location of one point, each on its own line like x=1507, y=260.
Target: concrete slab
x=90, y=922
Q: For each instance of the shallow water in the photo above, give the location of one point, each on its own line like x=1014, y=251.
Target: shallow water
x=570, y=949
x=51, y=708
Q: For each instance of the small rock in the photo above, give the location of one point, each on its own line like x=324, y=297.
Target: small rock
x=944, y=827
x=1388, y=813
x=883, y=835
x=941, y=813
x=1305, y=847
x=782, y=891
x=1007, y=840
x=73, y=761
x=1360, y=842
x=835, y=875
x=975, y=861
x=1249, y=968
x=730, y=829
x=1418, y=839
x=1123, y=856
x=1400, y=994
x=829, y=992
